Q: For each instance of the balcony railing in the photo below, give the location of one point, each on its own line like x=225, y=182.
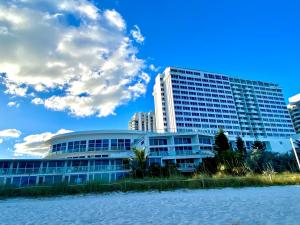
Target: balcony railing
x=184, y=152
x=159, y=153
x=63, y=170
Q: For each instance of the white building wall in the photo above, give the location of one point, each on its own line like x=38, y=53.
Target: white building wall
x=169, y=101
x=158, y=103
x=198, y=101
x=202, y=101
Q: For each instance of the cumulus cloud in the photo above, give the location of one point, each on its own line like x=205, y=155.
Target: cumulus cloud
x=1, y=141
x=137, y=35
x=34, y=145
x=115, y=19
x=10, y=133
x=85, y=67
x=13, y=104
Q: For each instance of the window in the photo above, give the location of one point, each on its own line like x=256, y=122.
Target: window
x=120, y=144
x=59, y=147
x=162, y=151
x=182, y=140
x=77, y=146
x=98, y=145
x=158, y=141
x=82, y=146
x=203, y=140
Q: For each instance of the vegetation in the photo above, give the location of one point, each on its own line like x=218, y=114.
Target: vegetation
x=241, y=149
x=239, y=162
x=150, y=183
x=138, y=164
x=139, y=168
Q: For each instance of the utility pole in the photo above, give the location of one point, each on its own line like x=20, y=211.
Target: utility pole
x=296, y=155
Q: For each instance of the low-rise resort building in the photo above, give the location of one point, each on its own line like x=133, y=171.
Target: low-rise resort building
x=80, y=157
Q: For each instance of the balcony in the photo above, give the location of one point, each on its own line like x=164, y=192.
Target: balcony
x=63, y=170
x=184, y=152
x=159, y=153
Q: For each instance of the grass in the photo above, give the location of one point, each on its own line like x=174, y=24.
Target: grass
x=160, y=184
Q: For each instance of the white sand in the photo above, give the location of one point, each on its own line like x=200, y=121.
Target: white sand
x=270, y=205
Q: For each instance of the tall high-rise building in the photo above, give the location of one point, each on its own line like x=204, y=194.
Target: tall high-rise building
x=261, y=109
x=143, y=121
x=195, y=100
x=294, y=109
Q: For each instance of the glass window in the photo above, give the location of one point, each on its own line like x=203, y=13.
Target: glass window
x=204, y=140
x=82, y=146
x=76, y=146
x=120, y=144
x=182, y=140
x=158, y=141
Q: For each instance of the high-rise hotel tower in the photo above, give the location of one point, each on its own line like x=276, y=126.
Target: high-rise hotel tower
x=195, y=100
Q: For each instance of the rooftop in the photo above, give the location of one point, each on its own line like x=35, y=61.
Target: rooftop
x=295, y=98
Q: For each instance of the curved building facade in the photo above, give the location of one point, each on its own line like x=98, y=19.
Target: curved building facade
x=80, y=157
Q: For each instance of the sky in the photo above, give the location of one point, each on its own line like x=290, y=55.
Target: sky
x=89, y=65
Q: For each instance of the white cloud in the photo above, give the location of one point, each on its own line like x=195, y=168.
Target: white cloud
x=153, y=68
x=86, y=68
x=34, y=145
x=88, y=10
x=115, y=19
x=13, y=104
x=10, y=133
x=1, y=141
x=37, y=101
x=137, y=35
x=13, y=88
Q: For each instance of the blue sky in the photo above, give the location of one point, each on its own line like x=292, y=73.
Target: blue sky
x=248, y=39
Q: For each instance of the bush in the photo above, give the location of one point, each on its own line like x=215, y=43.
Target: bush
x=208, y=166
x=258, y=162
x=155, y=170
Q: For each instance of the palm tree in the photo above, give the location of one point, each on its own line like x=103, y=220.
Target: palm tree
x=139, y=163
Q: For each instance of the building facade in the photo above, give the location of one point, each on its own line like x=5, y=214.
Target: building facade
x=80, y=157
x=195, y=100
x=142, y=121
x=294, y=110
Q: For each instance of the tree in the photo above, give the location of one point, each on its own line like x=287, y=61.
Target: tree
x=240, y=149
x=139, y=163
x=221, y=142
x=225, y=159
x=257, y=160
x=258, y=146
x=221, y=146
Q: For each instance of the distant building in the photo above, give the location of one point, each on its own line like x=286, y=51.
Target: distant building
x=194, y=100
x=294, y=109
x=142, y=121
